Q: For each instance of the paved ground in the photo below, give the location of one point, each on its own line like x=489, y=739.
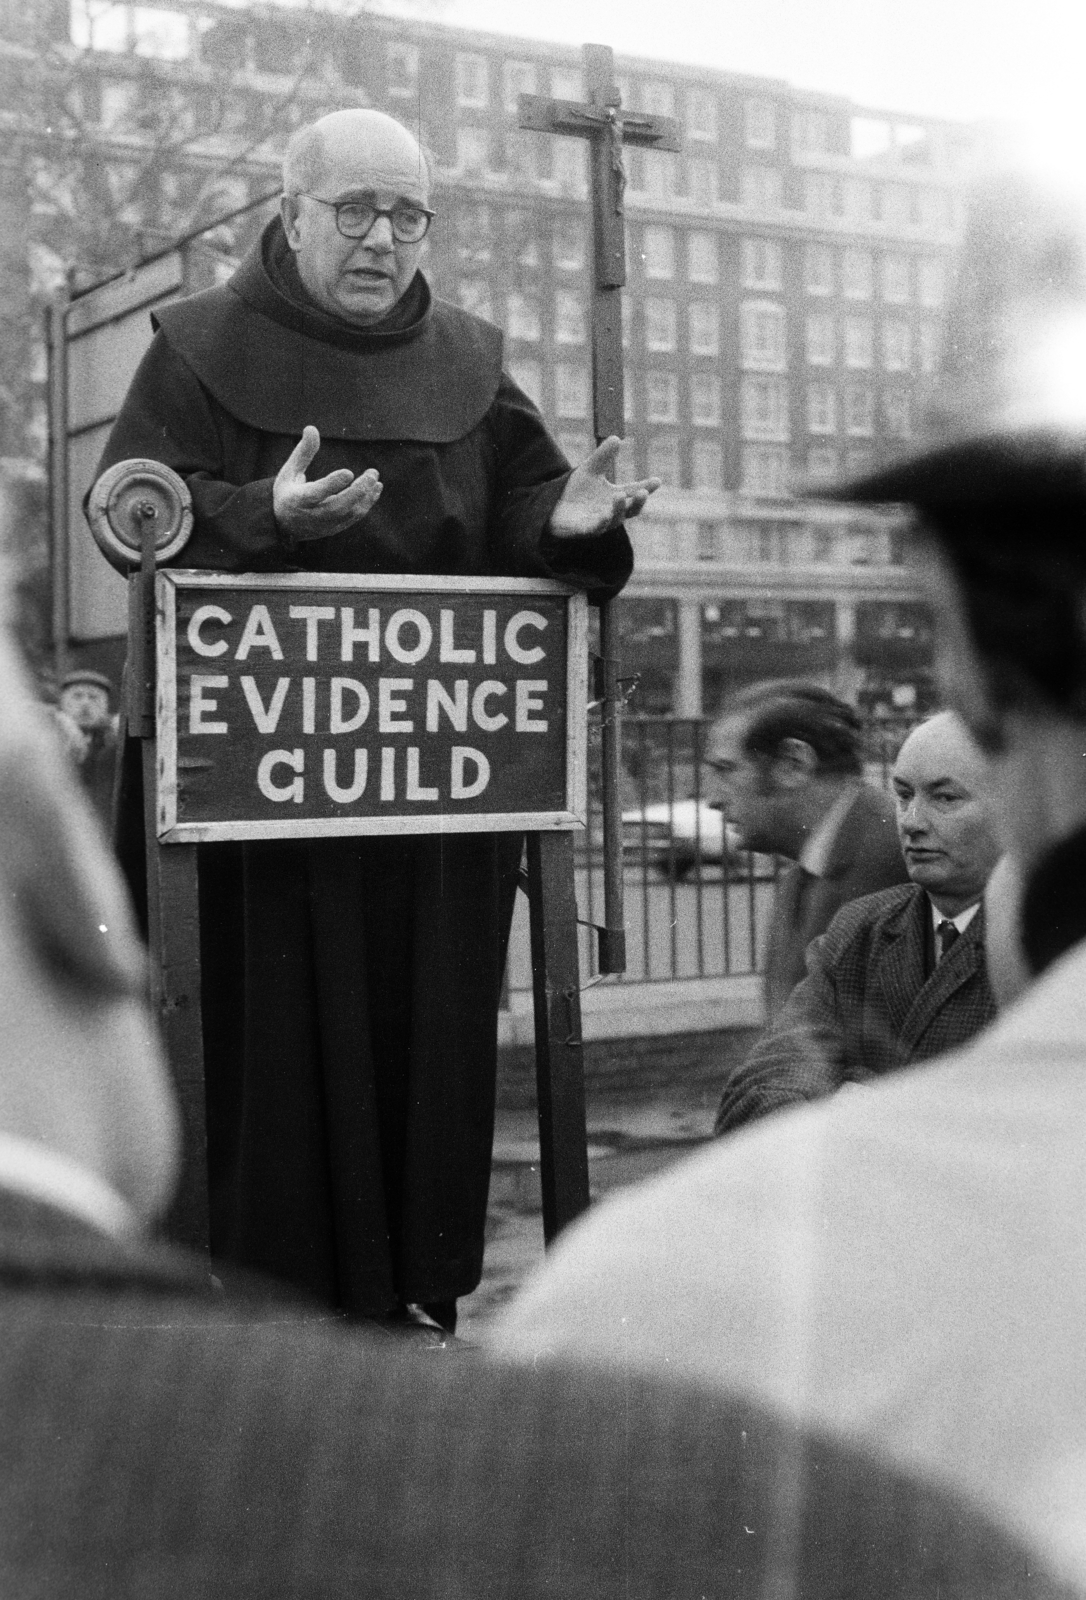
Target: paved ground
x=629, y=1139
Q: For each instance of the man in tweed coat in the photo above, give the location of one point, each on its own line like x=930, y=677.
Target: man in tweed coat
x=881, y=991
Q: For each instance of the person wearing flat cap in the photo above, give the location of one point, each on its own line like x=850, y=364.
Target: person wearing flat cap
x=85, y=700
x=329, y=414
x=904, y=1268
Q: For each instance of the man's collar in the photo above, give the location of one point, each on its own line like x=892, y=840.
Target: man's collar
x=961, y=921
x=38, y=1173
x=815, y=855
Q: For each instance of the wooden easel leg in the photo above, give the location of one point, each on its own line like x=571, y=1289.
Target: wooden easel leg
x=173, y=907
x=559, y=1049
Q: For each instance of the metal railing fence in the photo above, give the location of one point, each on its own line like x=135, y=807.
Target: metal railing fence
x=696, y=906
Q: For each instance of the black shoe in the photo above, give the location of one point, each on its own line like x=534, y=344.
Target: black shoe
x=443, y=1312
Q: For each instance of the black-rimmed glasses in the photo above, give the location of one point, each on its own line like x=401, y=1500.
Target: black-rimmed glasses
x=355, y=218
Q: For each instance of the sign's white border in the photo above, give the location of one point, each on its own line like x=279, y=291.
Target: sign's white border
x=172, y=831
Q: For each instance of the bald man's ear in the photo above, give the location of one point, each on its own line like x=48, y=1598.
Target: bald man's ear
x=794, y=764
x=288, y=210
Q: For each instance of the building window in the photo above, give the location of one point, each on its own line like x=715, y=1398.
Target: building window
x=818, y=269
x=571, y=166
x=471, y=150
x=896, y=287
x=626, y=312
x=471, y=84
x=765, y=470
x=707, y=463
x=821, y=408
x=661, y=397
x=859, y=200
x=896, y=345
x=518, y=77
x=763, y=405
x=521, y=238
x=859, y=408
x=897, y=413
x=761, y=188
x=705, y=399
x=932, y=282
x=663, y=457
x=475, y=297
x=859, y=342
x=763, y=336
x=857, y=275
x=704, y=328
x=569, y=244
x=402, y=65
x=659, y=323
x=522, y=317
x=702, y=174
x=576, y=447
x=819, y=194
x=570, y=390
x=528, y=375
x=934, y=209
x=659, y=251
x=821, y=343
x=762, y=264
x=660, y=174
x=525, y=154
x=473, y=236
x=658, y=97
x=929, y=348
x=567, y=83
x=701, y=255
x=858, y=460
x=701, y=113
x=760, y=124
x=897, y=205
x=810, y=133
x=569, y=318
x=822, y=466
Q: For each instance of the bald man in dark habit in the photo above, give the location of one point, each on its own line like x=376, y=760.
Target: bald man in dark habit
x=330, y=415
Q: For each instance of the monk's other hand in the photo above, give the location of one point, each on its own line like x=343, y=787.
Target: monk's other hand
x=326, y=506
x=591, y=503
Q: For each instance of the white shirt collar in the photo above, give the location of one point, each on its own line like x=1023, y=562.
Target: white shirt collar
x=961, y=921
x=34, y=1171
x=815, y=855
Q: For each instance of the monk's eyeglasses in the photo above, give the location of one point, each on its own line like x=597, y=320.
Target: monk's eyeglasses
x=355, y=218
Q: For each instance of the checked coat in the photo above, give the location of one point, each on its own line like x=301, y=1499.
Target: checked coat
x=162, y=1442
x=871, y=1002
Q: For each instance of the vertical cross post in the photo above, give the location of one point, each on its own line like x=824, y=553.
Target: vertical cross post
x=607, y=128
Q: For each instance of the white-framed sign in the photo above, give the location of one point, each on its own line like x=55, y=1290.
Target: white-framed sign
x=302, y=705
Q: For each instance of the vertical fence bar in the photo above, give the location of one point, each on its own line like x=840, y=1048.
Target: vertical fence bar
x=56, y=332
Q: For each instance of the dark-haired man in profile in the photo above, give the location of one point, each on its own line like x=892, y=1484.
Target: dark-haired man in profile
x=789, y=757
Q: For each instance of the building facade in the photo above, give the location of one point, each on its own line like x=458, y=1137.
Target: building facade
x=786, y=273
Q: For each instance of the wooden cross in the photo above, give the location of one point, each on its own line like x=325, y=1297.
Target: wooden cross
x=608, y=129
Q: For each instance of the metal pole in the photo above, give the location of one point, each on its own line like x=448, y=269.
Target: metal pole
x=56, y=330
x=609, y=411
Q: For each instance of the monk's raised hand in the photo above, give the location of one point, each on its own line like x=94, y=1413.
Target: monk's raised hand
x=591, y=503
x=328, y=505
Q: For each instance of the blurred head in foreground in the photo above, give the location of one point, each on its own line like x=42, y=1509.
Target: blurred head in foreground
x=81, y=1073
x=998, y=484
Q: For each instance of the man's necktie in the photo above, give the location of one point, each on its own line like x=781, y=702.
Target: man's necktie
x=947, y=933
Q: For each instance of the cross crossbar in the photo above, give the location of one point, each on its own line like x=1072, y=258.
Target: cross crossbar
x=537, y=114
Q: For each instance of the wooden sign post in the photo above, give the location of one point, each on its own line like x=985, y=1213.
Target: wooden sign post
x=608, y=128
x=329, y=704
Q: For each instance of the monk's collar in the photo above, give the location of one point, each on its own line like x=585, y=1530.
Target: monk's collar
x=268, y=281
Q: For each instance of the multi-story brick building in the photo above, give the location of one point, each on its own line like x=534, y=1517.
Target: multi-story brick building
x=786, y=273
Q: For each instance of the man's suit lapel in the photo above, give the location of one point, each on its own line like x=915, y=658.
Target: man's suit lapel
x=957, y=967
x=901, y=962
